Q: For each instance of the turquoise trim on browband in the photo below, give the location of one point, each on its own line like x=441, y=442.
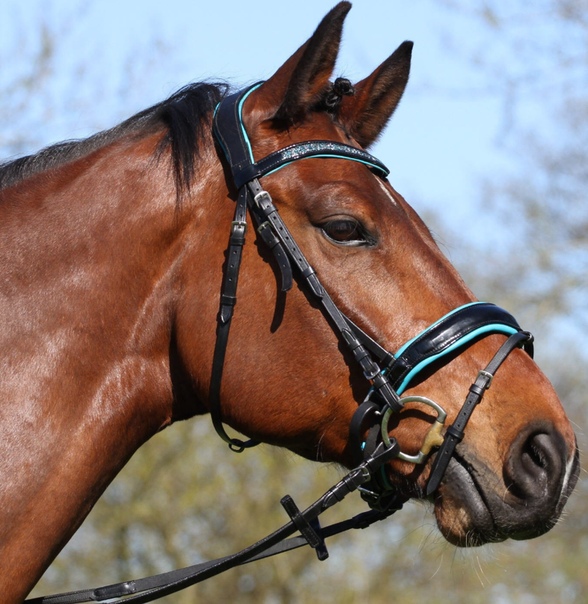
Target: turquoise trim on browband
x=330, y=156
x=382, y=169
x=487, y=329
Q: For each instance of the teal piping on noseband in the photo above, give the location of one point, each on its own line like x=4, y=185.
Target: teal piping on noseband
x=487, y=329
x=407, y=344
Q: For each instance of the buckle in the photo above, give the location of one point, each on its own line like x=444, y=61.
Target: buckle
x=487, y=376
x=263, y=200
x=238, y=230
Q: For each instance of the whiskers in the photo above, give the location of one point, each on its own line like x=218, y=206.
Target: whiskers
x=444, y=559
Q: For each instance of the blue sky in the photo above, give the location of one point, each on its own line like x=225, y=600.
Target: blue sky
x=114, y=58
x=128, y=54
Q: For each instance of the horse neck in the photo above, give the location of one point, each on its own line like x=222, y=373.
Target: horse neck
x=86, y=297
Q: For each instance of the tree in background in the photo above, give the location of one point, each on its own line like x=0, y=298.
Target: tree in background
x=184, y=498
x=538, y=67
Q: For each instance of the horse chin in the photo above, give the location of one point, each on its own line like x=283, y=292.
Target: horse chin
x=463, y=517
x=470, y=513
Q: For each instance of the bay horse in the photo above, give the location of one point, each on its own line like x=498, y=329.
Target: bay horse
x=114, y=262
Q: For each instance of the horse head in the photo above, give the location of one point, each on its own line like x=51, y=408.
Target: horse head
x=288, y=378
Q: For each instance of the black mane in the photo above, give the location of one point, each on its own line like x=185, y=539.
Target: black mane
x=183, y=114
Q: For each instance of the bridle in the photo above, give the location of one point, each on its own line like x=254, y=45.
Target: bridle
x=388, y=375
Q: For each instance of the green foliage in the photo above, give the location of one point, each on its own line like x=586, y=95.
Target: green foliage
x=185, y=498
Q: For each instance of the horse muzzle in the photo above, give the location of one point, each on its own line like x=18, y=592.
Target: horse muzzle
x=475, y=505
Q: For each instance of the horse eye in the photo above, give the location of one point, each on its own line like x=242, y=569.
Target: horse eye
x=345, y=232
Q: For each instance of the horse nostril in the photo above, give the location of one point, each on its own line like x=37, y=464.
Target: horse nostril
x=535, y=456
x=535, y=468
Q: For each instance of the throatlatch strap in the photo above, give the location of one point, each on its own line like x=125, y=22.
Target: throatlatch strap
x=227, y=305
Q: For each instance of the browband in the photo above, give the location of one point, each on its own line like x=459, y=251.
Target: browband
x=236, y=146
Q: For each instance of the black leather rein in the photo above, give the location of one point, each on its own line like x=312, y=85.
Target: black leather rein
x=388, y=374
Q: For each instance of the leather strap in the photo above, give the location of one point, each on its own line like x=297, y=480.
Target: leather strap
x=305, y=150
x=147, y=589
x=455, y=331
x=230, y=133
x=228, y=299
x=456, y=431
x=370, y=368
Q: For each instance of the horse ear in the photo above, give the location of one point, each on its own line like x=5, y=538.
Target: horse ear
x=302, y=80
x=367, y=112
